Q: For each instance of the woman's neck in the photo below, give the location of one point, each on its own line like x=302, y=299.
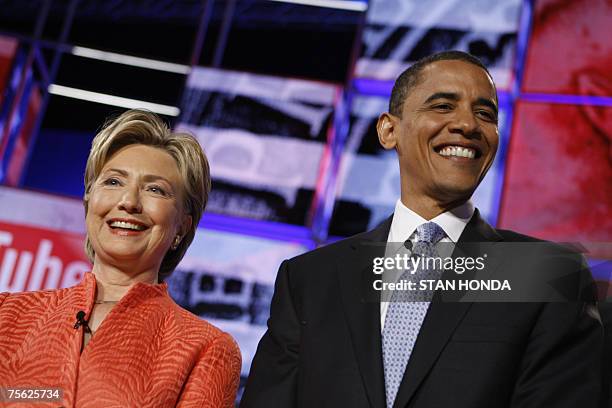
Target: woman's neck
x=112, y=283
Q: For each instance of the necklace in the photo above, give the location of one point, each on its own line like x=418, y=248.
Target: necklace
x=102, y=302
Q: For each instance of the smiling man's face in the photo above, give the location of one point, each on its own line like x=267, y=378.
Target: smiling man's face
x=447, y=136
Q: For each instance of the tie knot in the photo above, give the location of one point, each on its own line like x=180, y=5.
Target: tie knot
x=430, y=233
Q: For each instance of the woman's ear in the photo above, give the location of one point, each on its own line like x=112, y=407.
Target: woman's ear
x=86, y=203
x=386, y=127
x=186, y=223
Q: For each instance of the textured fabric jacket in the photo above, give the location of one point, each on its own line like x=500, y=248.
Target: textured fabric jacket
x=148, y=351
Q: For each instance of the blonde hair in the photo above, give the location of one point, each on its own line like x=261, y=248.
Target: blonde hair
x=146, y=128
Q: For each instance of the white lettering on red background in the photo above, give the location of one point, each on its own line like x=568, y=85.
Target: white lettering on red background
x=35, y=259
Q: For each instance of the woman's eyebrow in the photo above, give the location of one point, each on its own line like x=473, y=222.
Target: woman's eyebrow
x=155, y=177
x=120, y=171
x=146, y=177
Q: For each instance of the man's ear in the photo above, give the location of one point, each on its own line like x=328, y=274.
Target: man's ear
x=387, y=129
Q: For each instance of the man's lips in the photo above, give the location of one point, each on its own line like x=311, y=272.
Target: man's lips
x=461, y=151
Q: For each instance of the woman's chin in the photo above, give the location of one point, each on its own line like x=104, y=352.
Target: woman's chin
x=121, y=257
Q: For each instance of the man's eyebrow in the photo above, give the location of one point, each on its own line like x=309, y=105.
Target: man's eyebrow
x=487, y=102
x=443, y=95
x=455, y=97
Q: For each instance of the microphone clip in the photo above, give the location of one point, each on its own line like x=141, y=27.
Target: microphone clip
x=80, y=321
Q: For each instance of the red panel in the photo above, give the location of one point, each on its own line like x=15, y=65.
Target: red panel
x=20, y=150
x=570, y=49
x=559, y=174
x=35, y=258
x=8, y=47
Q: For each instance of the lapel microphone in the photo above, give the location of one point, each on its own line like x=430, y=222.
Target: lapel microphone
x=80, y=321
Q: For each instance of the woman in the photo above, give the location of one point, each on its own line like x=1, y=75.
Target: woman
x=117, y=339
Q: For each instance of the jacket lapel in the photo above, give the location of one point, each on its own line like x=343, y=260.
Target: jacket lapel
x=441, y=321
x=362, y=307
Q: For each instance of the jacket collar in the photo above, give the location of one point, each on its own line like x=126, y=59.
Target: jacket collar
x=85, y=294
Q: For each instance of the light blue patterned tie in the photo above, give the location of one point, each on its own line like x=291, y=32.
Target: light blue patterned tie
x=406, y=313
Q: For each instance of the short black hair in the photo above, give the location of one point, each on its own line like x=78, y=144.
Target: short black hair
x=411, y=76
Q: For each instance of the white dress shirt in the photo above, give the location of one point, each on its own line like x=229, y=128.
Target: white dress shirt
x=403, y=227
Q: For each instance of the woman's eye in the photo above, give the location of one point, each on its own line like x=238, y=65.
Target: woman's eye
x=111, y=181
x=157, y=190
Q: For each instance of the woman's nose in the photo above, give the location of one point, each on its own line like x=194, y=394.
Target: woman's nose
x=130, y=201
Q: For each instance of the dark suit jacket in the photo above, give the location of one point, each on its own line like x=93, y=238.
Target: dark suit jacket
x=323, y=343
x=606, y=315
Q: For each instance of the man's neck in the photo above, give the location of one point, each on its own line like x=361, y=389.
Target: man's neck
x=429, y=208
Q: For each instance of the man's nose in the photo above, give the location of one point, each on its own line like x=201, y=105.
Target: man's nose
x=465, y=123
x=130, y=201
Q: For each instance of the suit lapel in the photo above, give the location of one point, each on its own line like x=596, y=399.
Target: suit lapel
x=362, y=307
x=441, y=321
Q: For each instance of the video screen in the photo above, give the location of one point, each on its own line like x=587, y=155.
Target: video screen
x=264, y=137
x=557, y=183
x=570, y=49
x=398, y=33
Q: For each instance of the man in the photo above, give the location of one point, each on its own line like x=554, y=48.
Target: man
x=329, y=345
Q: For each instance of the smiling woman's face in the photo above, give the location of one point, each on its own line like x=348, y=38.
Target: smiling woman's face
x=135, y=209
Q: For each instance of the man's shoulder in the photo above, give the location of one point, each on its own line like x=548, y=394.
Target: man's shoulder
x=550, y=246
x=564, y=260
x=513, y=236
x=332, y=250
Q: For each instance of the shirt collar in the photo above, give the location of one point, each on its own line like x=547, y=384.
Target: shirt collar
x=453, y=222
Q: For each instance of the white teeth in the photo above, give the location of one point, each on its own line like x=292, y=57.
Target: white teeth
x=127, y=225
x=458, y=151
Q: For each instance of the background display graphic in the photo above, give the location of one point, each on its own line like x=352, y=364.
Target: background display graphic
x=284, y=99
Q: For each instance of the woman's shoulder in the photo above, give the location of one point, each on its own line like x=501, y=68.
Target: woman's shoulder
x=201, y=330
x=194, y=323
x=32, y=298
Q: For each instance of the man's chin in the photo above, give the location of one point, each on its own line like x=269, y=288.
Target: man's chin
x=455, y=192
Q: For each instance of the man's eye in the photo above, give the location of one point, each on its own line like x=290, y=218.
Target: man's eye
x=487, y=115
x=443, y=106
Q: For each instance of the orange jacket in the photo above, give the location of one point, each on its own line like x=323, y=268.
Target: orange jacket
x=148, y=351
